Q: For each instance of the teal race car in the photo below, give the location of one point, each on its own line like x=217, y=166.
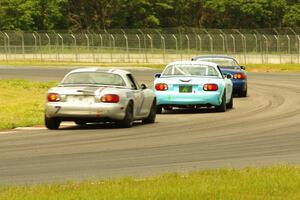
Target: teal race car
x=186, y=84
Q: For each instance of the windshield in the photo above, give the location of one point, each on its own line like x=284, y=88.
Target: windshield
x=190, y=70
x=97, y=78
x=222, y=62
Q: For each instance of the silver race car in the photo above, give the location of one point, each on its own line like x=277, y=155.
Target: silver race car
x=99, y=95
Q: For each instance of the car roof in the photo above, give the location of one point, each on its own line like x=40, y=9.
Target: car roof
x=99, y=69
x=193, y=62
x=213, y=56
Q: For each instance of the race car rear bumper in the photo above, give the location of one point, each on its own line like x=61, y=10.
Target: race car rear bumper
x=66, y=110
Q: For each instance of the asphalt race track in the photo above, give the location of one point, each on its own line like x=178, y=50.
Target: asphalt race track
x=262, y=129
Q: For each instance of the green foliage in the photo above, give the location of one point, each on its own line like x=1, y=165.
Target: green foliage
x=96, y=14
x=292, y=16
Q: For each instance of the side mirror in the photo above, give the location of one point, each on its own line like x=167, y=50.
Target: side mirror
x=243, y=68
x=143, y=86
x=228, y=76
x=157, y=75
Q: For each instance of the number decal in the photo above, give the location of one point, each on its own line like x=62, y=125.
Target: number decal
x=57, y=109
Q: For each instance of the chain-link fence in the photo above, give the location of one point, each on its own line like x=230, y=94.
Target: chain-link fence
x=152, y=45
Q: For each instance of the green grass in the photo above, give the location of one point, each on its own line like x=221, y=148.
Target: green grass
x=22, y=103
x=277, y=182
x=273, y=67
x=33, y=63
x=250, y=67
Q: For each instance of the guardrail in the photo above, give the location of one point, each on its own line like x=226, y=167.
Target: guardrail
x=151, y=45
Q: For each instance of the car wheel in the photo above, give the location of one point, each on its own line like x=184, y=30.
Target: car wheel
x=152, y=115
x=128, y=119
x=168, y=108
x=158, y=109
x=80, y=122
x=243, y=93
x=230, y=104
x=52, y=123
x=222, y=106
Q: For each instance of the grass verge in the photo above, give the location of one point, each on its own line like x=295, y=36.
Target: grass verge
x=277, y=182
x=250, y=67
x=273, y=67
x=22, y=103
x=27, y=63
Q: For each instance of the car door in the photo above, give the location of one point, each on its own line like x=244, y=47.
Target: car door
x=139, y=96
x=228, y=86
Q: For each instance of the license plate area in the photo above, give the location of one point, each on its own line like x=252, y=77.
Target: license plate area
x=81, y=99
x=185, y=88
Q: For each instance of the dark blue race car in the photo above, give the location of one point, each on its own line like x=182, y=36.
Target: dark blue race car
x=229, y=65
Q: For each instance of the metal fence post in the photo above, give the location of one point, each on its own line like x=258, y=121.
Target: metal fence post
x=211, y=41
x=35, y=44
x=256, y=46
x=200, y=43
x=127, y=45
x=145, y=45
x=39, y=44
x=292, y=30
x=223, y=42
x=278, y=47
x=244, y=44
x=233, y=42
x=139, y=39
x=267, y=47
x=101, y=45
x=188, y=43
x=4, y=45
x=298, y=49
x=23, y=45
x=62, y=45
x=289, y=46
x=49, y=41
x=176, y=43
x=87, y=42
x=151, y=42
x=75, y=46
x=113, y=45
x=163, y=45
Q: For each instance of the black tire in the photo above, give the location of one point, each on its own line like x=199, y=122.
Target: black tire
x=243, y=93
x=222, y=106
x=128, y=119
x=52, y=123
x=230, y=104
x=80, y=122
x=158, y=109
x=152, y=115
x=169, y=108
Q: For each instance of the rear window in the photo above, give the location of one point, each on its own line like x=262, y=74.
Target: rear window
x=99, y=78
x=190, y=70
x=221, y=62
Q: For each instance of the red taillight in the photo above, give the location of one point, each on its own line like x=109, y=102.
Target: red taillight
x=53, y=97
x=210, y=87
x=110, y=98
x=161, y=87
x=239, y=76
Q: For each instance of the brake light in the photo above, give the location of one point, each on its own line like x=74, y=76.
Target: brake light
x=110, y=98
x=239, y=76
x=210, y=87
x=161, y=87
x=53, y=97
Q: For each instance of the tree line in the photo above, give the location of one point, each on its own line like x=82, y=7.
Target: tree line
x=76, y=15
